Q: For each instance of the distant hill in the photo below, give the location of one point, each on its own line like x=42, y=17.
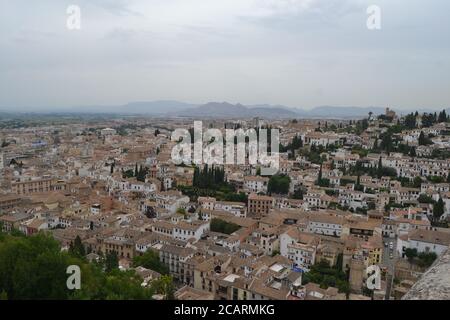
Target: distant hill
x=228, y=110
x=341, y=112
x=172, y=108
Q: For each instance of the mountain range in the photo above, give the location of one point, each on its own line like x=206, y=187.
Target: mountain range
x=228, y=110
x=171, y=108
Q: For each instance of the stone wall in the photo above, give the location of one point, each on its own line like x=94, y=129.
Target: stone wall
x=434, y=283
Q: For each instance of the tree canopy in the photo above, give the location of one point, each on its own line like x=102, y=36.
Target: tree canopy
x=279, y=184
x=150, y=260
x=35, y=268
x=218, y=225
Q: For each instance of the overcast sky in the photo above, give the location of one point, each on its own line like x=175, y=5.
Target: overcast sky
x=300, y=53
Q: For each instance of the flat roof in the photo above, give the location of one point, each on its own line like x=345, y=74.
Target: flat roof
x=231, y=277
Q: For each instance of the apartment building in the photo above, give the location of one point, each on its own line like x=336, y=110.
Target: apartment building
x=424, y=241
x=32, y=186
x=259, y=206
x=256, y=184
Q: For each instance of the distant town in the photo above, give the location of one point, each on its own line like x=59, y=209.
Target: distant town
x=358, y=210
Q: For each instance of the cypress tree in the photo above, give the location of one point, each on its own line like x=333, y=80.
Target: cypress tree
x=319, y=178
x=438, y=209
x=380, y=168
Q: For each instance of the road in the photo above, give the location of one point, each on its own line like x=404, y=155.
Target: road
x=389, y=263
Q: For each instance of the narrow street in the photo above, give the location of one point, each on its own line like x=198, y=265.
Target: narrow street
x=388, y=261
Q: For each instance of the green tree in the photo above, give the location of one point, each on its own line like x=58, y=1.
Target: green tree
x=77, y=248
x=210, y=178
x=410, y=121
x=279, y=184
x=322, y=182
x=358, y=186
x=424, y=140
x=428, y=119
x=325, y=275
x=417, y=182
x=165, y=287
x=423, y=198
x=127, y=174
x=426, y=259
x=298, y=194
x=380, y=168
x=386, y=143
x=442, y=116
x=33, y=268
x=411, y=253
x=150, y=260
x=111, y=261
x=438, y=209
x=219, y=225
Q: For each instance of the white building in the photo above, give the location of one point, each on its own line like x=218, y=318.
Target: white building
x=238, y=209
x=424, y=241
x=325, y=224
x=3, y=161
x=185, y=231
x=299, y=247
x=107, y=132
x=256, y=184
